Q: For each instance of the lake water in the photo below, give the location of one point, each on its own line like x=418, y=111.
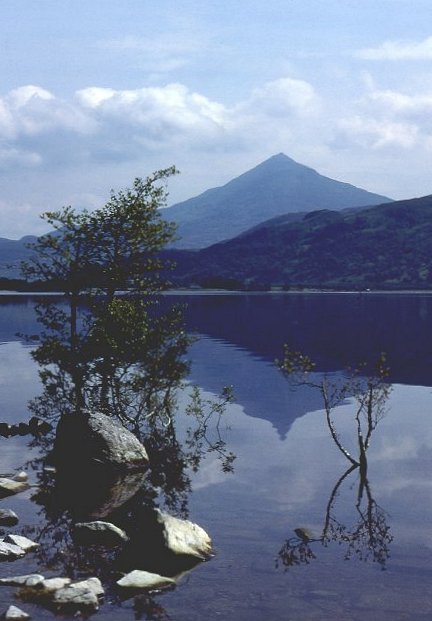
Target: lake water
x=361, y=559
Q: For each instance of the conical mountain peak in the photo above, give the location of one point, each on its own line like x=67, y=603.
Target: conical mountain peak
x=275, y=187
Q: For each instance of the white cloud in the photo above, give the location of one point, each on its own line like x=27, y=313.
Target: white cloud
x=32, y=111
x=375, y=134
x=388, y=118
x=100, y=124
x=398, y=50
x=284, y=97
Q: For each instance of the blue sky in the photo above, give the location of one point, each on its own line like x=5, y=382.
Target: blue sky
x=96, y=92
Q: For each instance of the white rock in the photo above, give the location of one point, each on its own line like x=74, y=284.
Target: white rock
x=26, y=580
x=9, y=487
x=53, y=584
x=92, y=584
x=21, y=476
x=15, y=613
x=8, y=517
x=138, y=579
x=22, y=542
x=184, y=537
x=9, y=551
x=76, y=599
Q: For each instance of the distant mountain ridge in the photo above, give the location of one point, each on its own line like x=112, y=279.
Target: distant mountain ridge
x=276, y=187
x=12, y=252
x=387, y=246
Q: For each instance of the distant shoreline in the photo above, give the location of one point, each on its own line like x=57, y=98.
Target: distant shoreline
x=240, y=292
x=299, y=292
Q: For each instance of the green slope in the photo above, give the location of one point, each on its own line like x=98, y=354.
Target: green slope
x=385, y=246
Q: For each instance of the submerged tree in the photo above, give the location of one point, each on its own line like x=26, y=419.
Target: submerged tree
x=369, y=389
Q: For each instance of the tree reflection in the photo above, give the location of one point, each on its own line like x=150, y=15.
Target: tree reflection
x=369, y=537
x=128, y=500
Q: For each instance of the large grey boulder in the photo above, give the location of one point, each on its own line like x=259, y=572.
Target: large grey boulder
x=94, y=491
x=94, y=437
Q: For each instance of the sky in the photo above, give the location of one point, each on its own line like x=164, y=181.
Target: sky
x=94, y=93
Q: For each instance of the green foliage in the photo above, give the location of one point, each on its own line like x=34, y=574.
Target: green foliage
x=113, y=349
x=112, y=248
x=387, y=247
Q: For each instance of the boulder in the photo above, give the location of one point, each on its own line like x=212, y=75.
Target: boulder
x=22, y=542
x=8, y=517
x=13, y=612
x=94, y=437
x=138, y=579
x=162, y=544
x=74, y=600
x=92, y=584
x=21, y=476
x=49, y=585
x=9, y=487
x=10, y=552
x=93, y=492
x=182, y=537
x=28, y=580
x=102, y=533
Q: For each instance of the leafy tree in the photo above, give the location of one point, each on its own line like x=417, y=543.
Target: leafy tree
x=370, y=392
x=110, y=347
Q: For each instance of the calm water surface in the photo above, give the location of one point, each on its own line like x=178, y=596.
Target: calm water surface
x=288, y=473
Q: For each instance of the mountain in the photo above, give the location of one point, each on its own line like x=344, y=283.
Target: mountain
x=388, y=246
x=275, y=187
x=12, y=252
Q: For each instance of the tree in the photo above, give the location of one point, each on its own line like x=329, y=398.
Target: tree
x=370, y=391
x=370, y=536
x=110, y=346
